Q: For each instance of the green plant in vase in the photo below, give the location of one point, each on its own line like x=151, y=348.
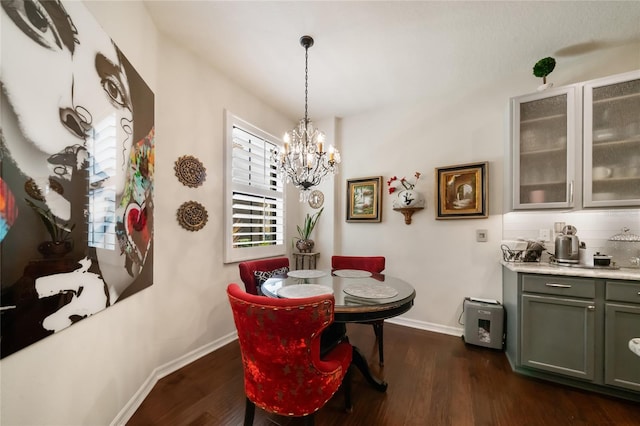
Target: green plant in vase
x=303, y=241
x=59, y=231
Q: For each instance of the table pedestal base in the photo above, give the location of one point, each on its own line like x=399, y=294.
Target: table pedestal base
x=359, y=361
x=336, y=333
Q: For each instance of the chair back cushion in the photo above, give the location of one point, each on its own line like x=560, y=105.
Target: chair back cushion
x=249, y=268
x=373, y=264
x=280, y=344
x=262, y=276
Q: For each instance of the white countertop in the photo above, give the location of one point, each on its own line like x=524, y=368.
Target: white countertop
x=552, y=269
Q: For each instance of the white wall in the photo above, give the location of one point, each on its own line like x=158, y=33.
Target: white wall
x=88, y=373
x=441, y=257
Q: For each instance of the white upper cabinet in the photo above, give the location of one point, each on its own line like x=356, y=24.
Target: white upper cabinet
x=545, y=137
x=612, y=141
x=577, y=146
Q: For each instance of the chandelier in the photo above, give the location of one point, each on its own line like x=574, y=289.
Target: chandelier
x=304, y=160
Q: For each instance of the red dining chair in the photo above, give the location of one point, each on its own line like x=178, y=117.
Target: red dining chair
x=280, y=346
x=375, y=265
x=264, y=269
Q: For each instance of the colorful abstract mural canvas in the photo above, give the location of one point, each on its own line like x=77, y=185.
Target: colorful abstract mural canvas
x=76, y=173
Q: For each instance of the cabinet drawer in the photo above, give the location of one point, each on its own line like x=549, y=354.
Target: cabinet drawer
x=559, y=286
x=623, y=291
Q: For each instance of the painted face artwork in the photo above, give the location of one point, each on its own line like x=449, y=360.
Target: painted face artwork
x=74, y=82
x=70, y=141
x=8, y=211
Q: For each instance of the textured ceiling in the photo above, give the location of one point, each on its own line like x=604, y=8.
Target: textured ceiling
x=373, y=54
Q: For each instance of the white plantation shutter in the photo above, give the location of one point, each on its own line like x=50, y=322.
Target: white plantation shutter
x=254, y=207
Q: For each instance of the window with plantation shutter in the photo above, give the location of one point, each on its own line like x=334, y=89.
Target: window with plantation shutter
x=254, y=202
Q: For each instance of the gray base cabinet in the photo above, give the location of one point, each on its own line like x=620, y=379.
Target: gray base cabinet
x=567, y=349
x=622, y=312
x=574, y=331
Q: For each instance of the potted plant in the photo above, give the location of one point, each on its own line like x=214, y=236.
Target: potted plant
x=303, y=242
x=60, y=232
x=542, y=69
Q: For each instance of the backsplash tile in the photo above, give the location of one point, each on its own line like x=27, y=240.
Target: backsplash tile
x=595, y=227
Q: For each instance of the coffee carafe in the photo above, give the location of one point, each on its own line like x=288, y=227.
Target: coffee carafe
x=568, y=246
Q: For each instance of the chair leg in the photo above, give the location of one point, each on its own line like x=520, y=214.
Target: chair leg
x=346, y=385
x=249, y=412
x=379, y=331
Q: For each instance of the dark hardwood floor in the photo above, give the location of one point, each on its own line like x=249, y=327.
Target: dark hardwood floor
x=434, y=379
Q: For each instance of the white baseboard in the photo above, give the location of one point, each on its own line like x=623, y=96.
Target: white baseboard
x=164, y=370
x=453, y=331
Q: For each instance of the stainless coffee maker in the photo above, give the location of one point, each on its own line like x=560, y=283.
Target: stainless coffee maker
x=568, y=246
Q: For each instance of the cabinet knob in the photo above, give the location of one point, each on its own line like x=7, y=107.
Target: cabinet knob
x=591, y=308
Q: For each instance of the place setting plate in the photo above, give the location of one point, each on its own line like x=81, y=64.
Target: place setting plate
x=298, y=291
x=370, y=291
x=306, y=273
x=351, y=273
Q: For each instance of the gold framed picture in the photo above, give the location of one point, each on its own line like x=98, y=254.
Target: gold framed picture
x=461, y=191
x=363, y=199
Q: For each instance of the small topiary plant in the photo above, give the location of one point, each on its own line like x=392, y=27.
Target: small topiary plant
x=543, y=68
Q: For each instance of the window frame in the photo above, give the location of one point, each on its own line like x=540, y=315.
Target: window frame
x=235, y=254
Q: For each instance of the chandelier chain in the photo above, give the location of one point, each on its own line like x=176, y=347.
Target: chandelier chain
x=306, y=86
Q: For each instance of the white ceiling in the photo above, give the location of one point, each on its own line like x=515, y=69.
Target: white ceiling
x=373, y=54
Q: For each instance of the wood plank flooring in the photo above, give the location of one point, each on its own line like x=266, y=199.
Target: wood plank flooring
x=434, y=379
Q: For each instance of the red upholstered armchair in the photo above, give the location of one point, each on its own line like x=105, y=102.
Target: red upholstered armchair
x=375, y=265
x=249, y=268
x=280, y=344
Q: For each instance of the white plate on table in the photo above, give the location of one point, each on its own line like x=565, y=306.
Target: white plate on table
x=351, y=273
x=298, y=291
x=306, y=273
x=371, y=291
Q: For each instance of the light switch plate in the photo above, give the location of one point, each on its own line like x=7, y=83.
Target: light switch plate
x=481, y=235
x=544, y=234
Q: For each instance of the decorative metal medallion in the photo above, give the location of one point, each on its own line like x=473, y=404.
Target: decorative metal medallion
x=190, y=171
x=192, y=216
x=316, y=199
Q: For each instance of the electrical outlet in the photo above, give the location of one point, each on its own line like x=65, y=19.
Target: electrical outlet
x=544, y=234
x=481, y=235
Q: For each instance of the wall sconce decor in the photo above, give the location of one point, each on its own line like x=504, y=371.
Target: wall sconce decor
x=192, y=216
x=190, y=171
x=407, y=199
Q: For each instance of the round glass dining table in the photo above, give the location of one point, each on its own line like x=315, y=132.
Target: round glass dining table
x=359, y=297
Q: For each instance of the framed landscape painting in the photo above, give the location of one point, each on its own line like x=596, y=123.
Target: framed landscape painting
x=363, y=199
x=461, y=191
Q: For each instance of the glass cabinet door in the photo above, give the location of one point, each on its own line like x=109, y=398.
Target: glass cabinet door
x=544, y=149
x=612, y=141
